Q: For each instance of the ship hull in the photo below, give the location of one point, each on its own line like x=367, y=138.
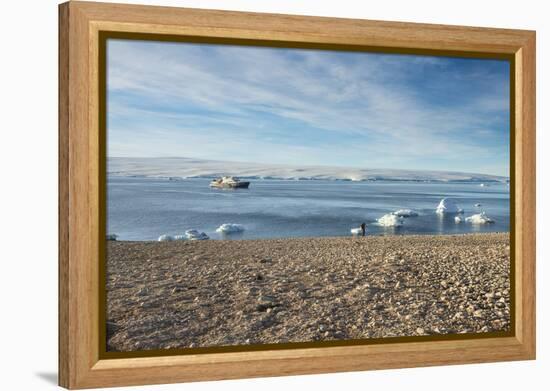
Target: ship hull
x=240, y=185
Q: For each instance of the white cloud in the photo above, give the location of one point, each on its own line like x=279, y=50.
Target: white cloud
x=363, y=97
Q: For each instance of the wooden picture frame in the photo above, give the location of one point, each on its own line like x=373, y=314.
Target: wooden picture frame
x=81, y=147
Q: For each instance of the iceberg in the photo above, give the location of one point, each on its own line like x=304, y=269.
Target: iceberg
x=405, y=213
x=480, y=218
x=180, y=237
x=458, y=219
x=193, y=234
x=448, y=205
x=229, y=228
x=165, y=238
x=356, y=231
x=390, y=220
x=112, y=237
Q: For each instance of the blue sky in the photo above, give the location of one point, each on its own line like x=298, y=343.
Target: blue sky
x=307, y=107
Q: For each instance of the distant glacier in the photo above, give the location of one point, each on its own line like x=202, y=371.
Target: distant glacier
x=182, y=167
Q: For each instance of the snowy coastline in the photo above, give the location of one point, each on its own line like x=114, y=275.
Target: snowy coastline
x=181, y=168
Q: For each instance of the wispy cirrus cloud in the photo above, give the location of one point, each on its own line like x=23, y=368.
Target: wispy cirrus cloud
x=309, y=107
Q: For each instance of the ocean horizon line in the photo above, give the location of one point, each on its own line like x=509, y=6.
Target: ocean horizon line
x=269, y=178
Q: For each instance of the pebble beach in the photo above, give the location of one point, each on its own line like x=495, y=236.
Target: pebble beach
x=182, y=294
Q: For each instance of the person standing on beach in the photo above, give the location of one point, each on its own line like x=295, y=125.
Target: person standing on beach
x=363, y=228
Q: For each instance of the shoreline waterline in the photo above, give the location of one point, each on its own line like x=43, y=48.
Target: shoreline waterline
x=350, y=237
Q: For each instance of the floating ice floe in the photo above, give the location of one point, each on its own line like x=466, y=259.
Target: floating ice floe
x=229, y=228
x=448, y=205
x=480, y=218
x=165, y=238
x=405, y=213
x=459, y=219
x=390, y=220
x=112, y=237
x=193, y=234
x=356, y=231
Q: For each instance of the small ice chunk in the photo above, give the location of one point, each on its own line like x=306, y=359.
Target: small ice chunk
x=480, y=218
x=193, y=234
x=112, y=237
x=390, y=220
x=230, y=228
x=165, y=238
x=356, y=231
x=405, y=213
x=483, y=185
x=448, y=205
x=459, y=219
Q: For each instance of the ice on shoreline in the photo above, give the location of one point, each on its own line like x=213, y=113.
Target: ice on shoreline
x=230, y=228
x=356, y=231
x=448, y=205
x=480, y=218
x=390, y=220
x=193, y=234
x=165, y=238
x=190, y=234
x=405, y=213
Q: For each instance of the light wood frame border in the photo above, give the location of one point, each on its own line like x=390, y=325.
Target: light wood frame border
x=79, y=147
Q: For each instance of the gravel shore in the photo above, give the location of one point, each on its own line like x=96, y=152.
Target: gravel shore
x=217, y=293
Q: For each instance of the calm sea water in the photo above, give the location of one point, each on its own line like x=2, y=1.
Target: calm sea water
x=145, y=208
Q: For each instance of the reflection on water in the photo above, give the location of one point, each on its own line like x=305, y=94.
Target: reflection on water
x=144, y=208
x=232, y=236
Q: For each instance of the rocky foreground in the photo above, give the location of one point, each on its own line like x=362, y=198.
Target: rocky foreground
x=216, y=293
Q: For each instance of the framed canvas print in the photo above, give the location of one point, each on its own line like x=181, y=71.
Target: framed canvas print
x=248, y=195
